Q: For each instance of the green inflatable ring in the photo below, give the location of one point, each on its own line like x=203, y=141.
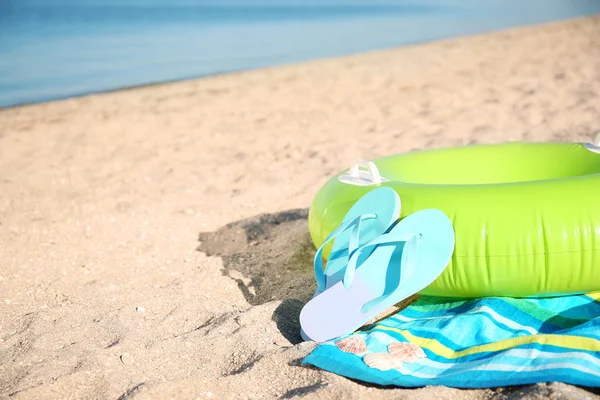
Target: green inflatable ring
x=526, y=216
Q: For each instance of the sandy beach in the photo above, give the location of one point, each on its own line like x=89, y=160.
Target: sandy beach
x=154, y=240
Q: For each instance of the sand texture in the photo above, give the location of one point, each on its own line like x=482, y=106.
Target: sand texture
x=154, y=241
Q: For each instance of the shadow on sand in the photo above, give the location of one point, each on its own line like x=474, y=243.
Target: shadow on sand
x=270, y=257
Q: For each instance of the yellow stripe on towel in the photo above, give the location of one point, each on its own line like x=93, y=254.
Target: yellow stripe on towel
x=564, y=341
x=594, y=295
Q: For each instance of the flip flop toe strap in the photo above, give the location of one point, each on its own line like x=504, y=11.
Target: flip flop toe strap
x=410, y=241
x=353, y=245
x=407, y=267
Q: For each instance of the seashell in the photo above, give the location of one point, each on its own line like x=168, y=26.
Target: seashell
x=406, y=352
x=352, y=344
x=382, y=361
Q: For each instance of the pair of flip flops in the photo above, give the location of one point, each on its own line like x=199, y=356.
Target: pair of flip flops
x=375, y=262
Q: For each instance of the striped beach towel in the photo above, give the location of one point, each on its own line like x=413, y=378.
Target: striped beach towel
x=475, y=343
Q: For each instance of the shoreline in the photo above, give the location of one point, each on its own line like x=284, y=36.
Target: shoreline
x=234, y=72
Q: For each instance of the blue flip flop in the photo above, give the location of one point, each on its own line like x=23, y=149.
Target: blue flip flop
x=401, y=263
x=371, y=216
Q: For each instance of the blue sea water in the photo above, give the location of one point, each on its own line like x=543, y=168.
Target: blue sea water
x=51, y=49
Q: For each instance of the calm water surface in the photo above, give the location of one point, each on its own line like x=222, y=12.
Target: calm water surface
x=51, y=49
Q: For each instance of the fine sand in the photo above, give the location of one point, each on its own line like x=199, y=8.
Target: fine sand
x=154, y=243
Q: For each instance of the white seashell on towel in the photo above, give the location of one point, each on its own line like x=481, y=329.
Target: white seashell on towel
x=352, y=344
x=382, y=361
x=406, y=352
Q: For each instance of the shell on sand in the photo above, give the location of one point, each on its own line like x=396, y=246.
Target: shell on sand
x=382, y=361
x=406, y=352
x=352, y=344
